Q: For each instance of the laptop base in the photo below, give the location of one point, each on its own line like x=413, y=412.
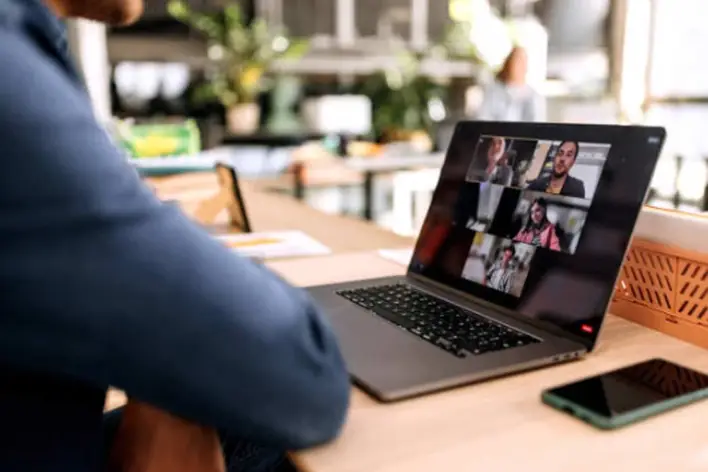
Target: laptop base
x=392, y=364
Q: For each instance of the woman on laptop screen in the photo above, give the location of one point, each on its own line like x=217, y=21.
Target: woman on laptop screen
x=538, y=230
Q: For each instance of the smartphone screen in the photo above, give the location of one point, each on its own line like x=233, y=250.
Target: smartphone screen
x=632, y=388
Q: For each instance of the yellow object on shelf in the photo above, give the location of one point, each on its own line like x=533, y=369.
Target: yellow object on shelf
x=160, y=139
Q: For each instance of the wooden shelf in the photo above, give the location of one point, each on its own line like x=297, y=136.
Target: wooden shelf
x=148, y=48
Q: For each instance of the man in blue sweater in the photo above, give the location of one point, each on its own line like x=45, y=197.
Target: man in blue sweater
x=103, y=285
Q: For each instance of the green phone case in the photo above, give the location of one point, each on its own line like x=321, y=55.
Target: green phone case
x=605, y=423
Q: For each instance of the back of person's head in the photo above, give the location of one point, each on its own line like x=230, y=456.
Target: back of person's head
x=113, y=12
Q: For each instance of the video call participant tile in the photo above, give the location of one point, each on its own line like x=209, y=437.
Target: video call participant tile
x=498, y=263
x=489, y=197
x=500, y=160
x=567, y=168
x=477, y=204
x=548, y=222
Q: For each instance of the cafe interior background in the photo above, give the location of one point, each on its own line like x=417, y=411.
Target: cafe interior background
x=326, y=81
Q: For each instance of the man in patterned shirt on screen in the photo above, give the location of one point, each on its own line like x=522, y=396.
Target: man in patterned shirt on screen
x=500, y=275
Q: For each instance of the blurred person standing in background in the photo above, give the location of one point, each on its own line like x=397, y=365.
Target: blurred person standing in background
x=509, y=97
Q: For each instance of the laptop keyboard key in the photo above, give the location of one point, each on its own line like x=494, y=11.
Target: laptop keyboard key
x=392, y=317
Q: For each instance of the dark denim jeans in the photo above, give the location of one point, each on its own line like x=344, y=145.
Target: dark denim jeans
x=240, y=456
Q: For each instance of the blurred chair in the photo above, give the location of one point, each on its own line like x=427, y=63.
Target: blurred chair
x=443, y=134
x=412, y=194
x=151, y=440
x=228, y=197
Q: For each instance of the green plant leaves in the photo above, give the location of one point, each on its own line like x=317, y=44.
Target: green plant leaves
x=297, y=49
x=248, y=50
x=178, y=9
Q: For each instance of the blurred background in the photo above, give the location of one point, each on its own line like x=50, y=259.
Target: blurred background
x=348, y=105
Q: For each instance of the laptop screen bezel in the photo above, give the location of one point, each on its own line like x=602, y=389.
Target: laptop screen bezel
x=642, y=141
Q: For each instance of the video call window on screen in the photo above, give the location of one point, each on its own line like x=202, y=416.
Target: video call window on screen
x=564, y=168
x=498, y=263
x=549, y=222
x=521, y=196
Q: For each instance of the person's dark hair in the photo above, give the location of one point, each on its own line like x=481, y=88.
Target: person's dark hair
x=543, y=203
x=540, y=201
x=574, y=143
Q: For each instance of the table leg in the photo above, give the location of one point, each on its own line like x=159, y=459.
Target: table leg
x=368, y=196
x=705, y=190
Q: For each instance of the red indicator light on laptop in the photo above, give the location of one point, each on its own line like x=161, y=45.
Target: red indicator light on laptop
x=586, y=328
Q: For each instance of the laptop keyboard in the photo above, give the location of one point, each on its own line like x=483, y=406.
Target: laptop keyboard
x=438, y=322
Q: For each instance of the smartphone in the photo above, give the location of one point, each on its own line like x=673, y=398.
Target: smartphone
x=629, y=395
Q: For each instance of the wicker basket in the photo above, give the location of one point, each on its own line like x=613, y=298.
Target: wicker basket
x=665, y=286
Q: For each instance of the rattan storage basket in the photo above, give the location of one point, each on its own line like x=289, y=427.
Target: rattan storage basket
x=663, y=283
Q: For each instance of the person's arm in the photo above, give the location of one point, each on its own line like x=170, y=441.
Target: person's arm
x=103, y=283
x=489, y=108
x=508, y=176
x=581, y=188
x=490, y=272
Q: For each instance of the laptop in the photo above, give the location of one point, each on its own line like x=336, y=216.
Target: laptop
x=516, y=262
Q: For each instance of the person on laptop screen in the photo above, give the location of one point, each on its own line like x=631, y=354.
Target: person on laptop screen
x=538, y=230
x=104, y=285
x=503, y=171
x=500, y=275
x=560, y=182
x=486, y=164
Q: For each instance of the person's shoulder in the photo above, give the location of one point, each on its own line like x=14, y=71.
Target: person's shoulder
x=493, y=85
x=14, y=20
x=14, y=15
x=576, y=182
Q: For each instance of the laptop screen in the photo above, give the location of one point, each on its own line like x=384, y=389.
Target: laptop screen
x=537, y=217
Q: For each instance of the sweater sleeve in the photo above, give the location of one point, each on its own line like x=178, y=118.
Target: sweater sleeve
x=103, y=283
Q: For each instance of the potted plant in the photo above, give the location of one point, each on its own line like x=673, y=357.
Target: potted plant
x=401, y=98
x=242, y=53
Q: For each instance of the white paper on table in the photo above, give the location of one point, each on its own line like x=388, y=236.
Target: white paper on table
x=274, y=244
x=399, y=256
x=177, y=162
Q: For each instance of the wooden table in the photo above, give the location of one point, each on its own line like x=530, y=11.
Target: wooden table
x=271, y=212
x=501, y=425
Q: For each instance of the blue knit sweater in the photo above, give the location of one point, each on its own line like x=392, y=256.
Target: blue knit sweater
x=103, y=285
